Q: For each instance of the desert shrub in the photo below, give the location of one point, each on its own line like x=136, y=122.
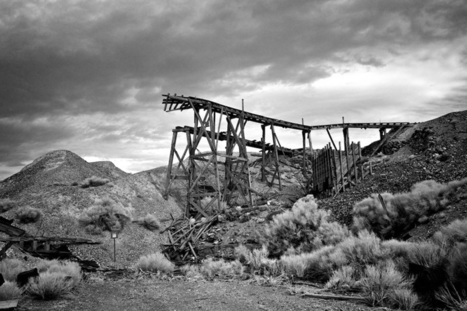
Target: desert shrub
x=220, y=268
x=106, y=215
x=10, y=268
x=404, y=299
x=391, y=215
x=457, y=270
x=343, y=279
x=27, y=215
x=149, y=222
x=9, y=291
x=363, y=249
x=257, y=260
x=155, y=262
x=316, y=266
x=71, y=269
x=6, y=205
x=50, y=285
x=453, y=233
x=56, y=279
x=305, y=228
x=379, y=283
x=93, y=181
x=451, y=298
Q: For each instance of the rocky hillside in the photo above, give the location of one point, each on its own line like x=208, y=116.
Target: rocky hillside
x=436, y=150
x=53, y=184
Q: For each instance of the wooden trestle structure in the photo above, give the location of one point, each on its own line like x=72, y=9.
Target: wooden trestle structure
x=214, y=177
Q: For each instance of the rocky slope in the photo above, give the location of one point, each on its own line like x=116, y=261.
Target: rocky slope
x=436, y=149
x=51, y=184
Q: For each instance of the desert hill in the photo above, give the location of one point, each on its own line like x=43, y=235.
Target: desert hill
x=432, y=150
x=53, y=184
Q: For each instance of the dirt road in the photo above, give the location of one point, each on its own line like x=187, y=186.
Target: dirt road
x=153, y=294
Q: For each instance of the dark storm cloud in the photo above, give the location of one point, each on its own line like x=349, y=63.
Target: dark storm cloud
x=116, y=58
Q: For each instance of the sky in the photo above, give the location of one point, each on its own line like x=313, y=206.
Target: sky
x=88, y=76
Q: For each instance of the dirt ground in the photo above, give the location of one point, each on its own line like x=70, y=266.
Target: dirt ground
x=139, y=294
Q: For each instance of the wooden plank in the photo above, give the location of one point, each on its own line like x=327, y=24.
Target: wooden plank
x=330, y=137
x=8, y=304
x=11, y=230
x=341, y=168
x=354, y=162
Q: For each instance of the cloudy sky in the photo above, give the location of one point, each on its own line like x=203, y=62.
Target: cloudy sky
x=88, y=76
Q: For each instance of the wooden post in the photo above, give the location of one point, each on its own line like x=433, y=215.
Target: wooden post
x=304, y=152
x=263, y=157
x=334, y=169
x=309, y=142
x=169, y=168
x=341, y=168
x=330, y=137
x=354, y=162
x=276, y=154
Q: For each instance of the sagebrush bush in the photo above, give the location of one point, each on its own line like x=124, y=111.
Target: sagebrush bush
x=257, y=260
x=304, y=228
x=69, y=268
x=56, y=279
x=10, y=291
x=399, y=212
x=343, y=279
x=155, y=262
x=451, y=234
x=316, y=266
x=6, y=205
x=27, y=215
x=404, y=299
x=10, y=268
x=105, y=215
x=211, y=268
x=50, y=285
x=149, y=222
x=379, y=283
x=93, y=181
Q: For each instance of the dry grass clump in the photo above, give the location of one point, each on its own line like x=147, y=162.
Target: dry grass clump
x=149, y=222
x=304, y=228
x=155, y=262
x=211, y=268
x=9, y=291
x=56, y=279
x=383, y=285
x=104, y=215
x=391, y=215
x=257, y=261
x=28, y=215
x=453, y=233
x=10, y=268
x=93, y=181
x=6, y=205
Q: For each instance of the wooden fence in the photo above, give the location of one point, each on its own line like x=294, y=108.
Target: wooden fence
x=335, y=170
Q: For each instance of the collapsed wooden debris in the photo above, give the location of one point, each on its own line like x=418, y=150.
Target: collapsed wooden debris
x=42, y=247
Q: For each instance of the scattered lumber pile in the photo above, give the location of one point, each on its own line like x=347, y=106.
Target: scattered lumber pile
x=185, y=236
x=191, y=240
